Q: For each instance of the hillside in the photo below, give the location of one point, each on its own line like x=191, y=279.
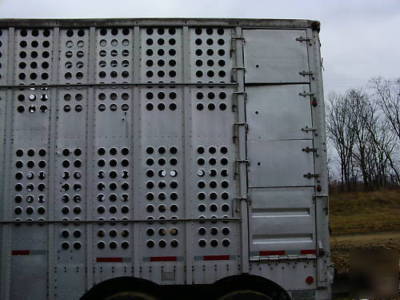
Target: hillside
x=362, y=220
x=365, y=212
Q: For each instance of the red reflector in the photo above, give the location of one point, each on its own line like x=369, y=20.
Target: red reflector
x=311, y=251
x=163, y=258
x=20, y=252
x=314, y=102
x=310, y=280
x=216, y=257
x=109, y=259
x=272, y=252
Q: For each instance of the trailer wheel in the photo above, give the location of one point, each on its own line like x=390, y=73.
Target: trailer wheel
x=243, y=287
x=131, y=295
x=124, y=288
x=244, y=295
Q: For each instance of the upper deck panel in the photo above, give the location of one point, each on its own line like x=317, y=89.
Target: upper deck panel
x=244, y=23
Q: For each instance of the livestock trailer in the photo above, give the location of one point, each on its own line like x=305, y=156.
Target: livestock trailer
x=144, y=153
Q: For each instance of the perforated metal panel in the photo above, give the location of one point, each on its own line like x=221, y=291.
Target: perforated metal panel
x=126, y=152
x=213, y=174
x=74, y=56
x=113, y=181
x=210, y=54
x=71, y=178
x=162, y=164
x=30, y=153
x=114, y=55
x=34, y=54
x=29, y=188
x=161, y=50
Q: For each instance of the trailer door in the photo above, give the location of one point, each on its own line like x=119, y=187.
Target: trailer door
x=280, y=145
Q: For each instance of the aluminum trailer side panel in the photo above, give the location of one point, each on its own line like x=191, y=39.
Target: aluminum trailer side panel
x=176, y=151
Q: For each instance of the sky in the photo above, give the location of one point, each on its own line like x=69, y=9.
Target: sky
x=360, y=38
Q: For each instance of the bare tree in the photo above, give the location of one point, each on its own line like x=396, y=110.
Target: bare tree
x=387, y=94
x=341, y=134
x=383, y=145
x=362, y=131
x=361, y=115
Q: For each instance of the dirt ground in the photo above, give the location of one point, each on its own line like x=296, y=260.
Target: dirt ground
x=363, y=220
x=342, y=245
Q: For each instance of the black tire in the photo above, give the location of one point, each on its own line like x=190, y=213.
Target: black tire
x=250, y=287
x=244, y=294
x=124, y=289
x=131, y=295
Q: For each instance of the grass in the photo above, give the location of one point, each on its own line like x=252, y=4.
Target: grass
x=357, y=213
x=365, y=212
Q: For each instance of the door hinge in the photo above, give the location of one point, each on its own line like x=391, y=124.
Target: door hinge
x=234, y=73
x=307, y=129
x=240, y=93
x=236, y=129
x=235, y=99
x=305, y=94
x=235, y=125
x=309, y=149
x=243, y=198
x=310, y=175
x=237, y=202
x=242, y=161
x=238, y=38
x=237, y=167
x=240, y=199
x=307, y=73
x=304, y=39
x=233, y=43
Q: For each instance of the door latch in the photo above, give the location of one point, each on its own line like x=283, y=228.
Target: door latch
x=305, y=94
x=304, y=39
x=307, y=129
x=305, y=73
x=309, y=149
x=310, y=175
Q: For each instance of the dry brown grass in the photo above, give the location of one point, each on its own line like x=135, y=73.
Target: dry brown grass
x=355, y=218
x=365, y=212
